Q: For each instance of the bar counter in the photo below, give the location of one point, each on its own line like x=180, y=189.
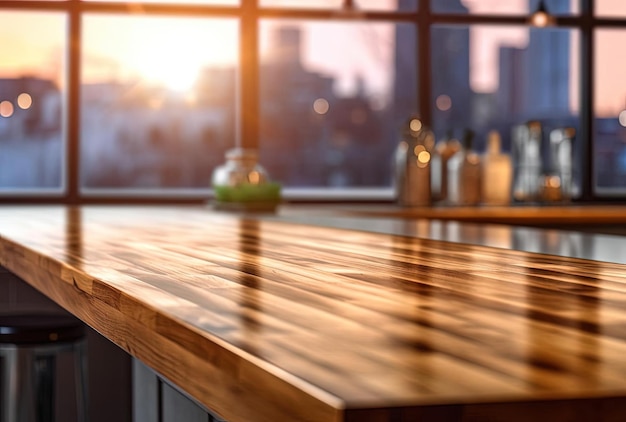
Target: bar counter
x=610, y=219
x=270, y=318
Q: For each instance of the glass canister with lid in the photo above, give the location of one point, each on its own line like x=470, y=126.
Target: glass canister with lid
x=242, y=180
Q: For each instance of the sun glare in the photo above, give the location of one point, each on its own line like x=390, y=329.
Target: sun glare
x=169, y=67
x=169, y=52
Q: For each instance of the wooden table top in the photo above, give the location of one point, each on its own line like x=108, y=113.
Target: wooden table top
x=274, y=321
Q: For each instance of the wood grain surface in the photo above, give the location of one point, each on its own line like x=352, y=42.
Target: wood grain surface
x=273, y=321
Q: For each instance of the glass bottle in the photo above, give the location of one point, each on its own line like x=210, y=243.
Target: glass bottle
x=558, y=184
x=443, y=151
x=527, y=161
x=497, y=173
x=412, y=165
x=464, y=174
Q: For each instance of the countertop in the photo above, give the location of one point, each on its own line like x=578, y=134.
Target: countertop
x=545, y=215
x=269, y=318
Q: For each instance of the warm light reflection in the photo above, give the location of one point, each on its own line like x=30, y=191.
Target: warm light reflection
x=254, y=177
x=541, y=19
x=24, y=101
x=554, y=182
x=415, y=125
x=423, y=157
x=6, y=109
x=321, y=106
x=418, y=149
x=443, y=102
x=473, y=159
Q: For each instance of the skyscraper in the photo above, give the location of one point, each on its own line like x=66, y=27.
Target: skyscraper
x=548, y=67
x=534, y=82
x=449, y=58
x=405, y=92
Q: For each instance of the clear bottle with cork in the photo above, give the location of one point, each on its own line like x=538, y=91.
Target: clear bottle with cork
x=558, y=183
x=527, y=161
x=464, y=174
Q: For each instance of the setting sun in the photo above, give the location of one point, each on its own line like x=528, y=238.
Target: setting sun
x=162, y=51
x=170, y=67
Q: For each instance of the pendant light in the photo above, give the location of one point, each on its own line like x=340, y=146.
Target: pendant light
x=541, y=18
x=348, y=5
x=349, y=10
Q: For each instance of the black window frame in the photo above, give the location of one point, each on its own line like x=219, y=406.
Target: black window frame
x=249, y=13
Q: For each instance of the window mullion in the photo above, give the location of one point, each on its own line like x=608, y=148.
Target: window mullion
x=72, y=118
x=424, y=62
x=587, y=100
x=248, y=123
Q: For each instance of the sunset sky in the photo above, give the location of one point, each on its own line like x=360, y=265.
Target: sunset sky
x=135, y=47
x=162, y=50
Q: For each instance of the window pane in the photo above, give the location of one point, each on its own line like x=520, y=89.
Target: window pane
x=500, y=7
x=211, y=2
x=388, y=5
x=400, y=5
x=333, y=98
x=490, y=77
x=307, y=4
x=156, y=113
x=610, y=8
x=610, y=103
x=31, y=100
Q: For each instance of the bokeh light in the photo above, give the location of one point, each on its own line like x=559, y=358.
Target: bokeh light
x=443, y=102
x=24, y=101
x=423, y=157
x=418, y=149
x=321, y=106
x=415, y=125
x=6, y=109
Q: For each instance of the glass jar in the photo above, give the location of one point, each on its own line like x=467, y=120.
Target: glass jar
x=241, y=180
x=241, y=167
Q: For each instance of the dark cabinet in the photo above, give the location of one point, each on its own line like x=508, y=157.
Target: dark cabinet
x=157, y=400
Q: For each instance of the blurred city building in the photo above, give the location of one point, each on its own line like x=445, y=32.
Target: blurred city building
x=135, y=135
